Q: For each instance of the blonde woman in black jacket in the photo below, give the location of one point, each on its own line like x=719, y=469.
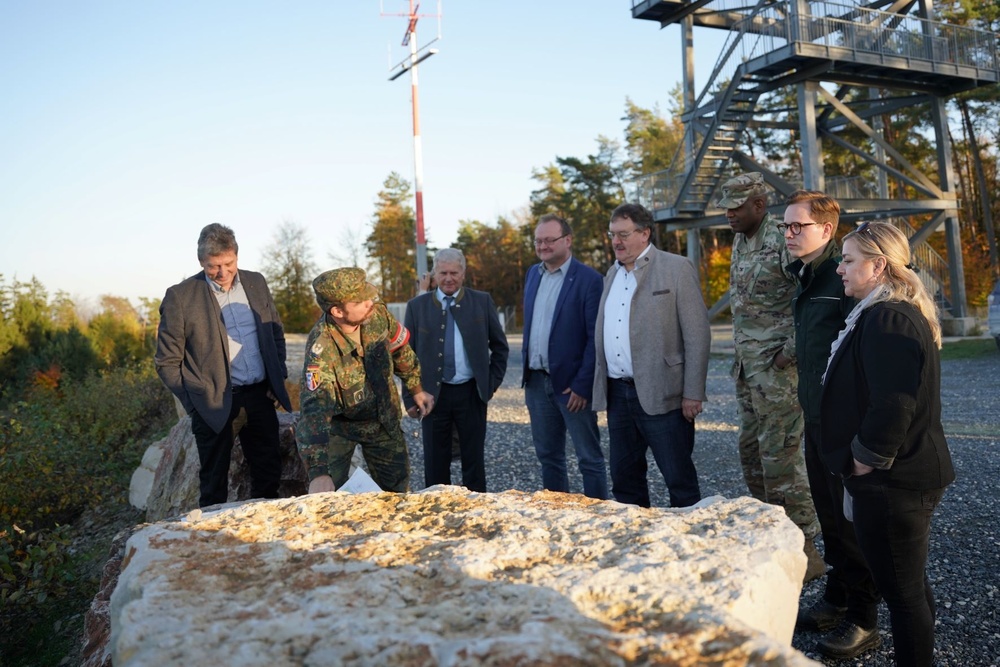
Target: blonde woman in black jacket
x=881, y=420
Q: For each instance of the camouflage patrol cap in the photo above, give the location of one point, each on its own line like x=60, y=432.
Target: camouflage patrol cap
x=737, y=190
x=340, y=286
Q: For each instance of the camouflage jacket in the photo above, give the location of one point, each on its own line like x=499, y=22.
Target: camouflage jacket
x=761, y=289
x=340, y=385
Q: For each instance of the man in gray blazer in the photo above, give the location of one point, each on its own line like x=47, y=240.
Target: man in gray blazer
x=221, y=351
x=462, y=350
x=652, y=341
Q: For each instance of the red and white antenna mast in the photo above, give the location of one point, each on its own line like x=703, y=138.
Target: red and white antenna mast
x=417, y=56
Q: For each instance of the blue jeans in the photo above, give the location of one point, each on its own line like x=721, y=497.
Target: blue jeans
x=550, y=419
x=632, y=431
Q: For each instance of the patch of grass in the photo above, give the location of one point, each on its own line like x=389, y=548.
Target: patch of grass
x=974, y=348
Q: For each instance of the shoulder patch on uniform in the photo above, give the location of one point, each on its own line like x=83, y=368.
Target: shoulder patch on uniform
x=399, y=338
x=317, y=348
x=312, y=377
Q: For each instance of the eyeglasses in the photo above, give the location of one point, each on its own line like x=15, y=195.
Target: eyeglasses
x=621, y=236
x=796, y=227
x=541, y=242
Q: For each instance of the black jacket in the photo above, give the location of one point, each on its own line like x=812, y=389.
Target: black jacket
x=820, y=308
x=485, y=342
x=192, y=348
x=881, y=402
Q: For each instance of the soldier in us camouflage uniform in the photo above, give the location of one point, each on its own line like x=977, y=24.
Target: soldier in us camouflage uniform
x=348, y=396
x=761, y=292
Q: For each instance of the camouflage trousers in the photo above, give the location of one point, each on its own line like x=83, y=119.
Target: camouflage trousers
x=384, y=451
x=770, y=444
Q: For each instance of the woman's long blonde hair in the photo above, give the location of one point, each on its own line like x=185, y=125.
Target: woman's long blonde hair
x=882, y=239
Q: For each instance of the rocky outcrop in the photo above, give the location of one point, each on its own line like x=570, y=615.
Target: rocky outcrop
x=173, y=487
x=97, y=620
x=450, y=577
x=144, y=476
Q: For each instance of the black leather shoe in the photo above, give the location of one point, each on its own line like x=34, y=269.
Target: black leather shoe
x=821, y=616
x=848, y=640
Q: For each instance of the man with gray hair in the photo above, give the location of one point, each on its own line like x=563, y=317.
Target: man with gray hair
x=462, y=348
x=221, y=351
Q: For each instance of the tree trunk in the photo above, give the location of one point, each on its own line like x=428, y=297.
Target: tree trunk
x=977, y=164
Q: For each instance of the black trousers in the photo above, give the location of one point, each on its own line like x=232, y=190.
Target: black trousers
x=255, y=420
x=893, y=530
x=849, y=582
x=458, y=406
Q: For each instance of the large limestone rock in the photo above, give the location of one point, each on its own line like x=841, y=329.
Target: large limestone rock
x=173, y=487
x=166, y=482
x=97, y=620
x=450, y=577
x=141, y=484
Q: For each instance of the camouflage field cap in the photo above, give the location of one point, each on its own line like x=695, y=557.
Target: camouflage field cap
x=346, y=285
x=737, y=190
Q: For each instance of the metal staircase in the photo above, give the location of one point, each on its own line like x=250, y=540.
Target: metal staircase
x=820, y=47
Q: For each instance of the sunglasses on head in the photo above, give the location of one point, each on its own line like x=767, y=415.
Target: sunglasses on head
x=866, y=227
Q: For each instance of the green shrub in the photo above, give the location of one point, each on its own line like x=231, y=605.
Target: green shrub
x=32, y=565
x=63, y=449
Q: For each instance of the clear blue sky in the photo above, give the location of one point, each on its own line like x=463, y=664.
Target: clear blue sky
x=125, y=127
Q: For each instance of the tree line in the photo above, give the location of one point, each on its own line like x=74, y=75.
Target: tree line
x=585, y=190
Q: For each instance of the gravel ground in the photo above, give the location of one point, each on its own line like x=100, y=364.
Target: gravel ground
x=965, y=541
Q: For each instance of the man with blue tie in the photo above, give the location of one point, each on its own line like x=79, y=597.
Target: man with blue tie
x=462, y=349
x=561, y=297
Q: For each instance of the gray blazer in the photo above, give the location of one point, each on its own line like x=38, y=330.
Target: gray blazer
x=668, y=333
x=192, y=348
x=485, y=342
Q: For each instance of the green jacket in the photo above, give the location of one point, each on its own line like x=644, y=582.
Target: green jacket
x=343, y=389
x=761, y=290
x=820, y=308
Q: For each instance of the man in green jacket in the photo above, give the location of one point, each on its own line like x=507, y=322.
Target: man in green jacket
x=348, y=397
x=848, y=608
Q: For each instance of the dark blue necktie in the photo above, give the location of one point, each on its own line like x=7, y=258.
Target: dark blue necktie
x=449, y=340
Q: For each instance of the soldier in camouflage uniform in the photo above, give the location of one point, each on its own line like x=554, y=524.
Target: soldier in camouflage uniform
x=761, y=291
x=348, y=397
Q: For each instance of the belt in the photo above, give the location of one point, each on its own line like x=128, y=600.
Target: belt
x=241, y=388
x=538, y=370
x=630, y=381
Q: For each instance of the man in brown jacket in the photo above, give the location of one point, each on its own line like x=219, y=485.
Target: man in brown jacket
x=652, y=343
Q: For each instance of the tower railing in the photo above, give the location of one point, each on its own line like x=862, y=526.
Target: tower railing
x=861, y=30
x=847, y=32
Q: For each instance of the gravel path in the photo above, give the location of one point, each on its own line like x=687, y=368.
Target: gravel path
x=964, y=565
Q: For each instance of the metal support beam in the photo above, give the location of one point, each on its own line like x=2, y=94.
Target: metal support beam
x=687, y=61
x=927, y=185
x=874, y=160
x=953, y=233
x=812, y=151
